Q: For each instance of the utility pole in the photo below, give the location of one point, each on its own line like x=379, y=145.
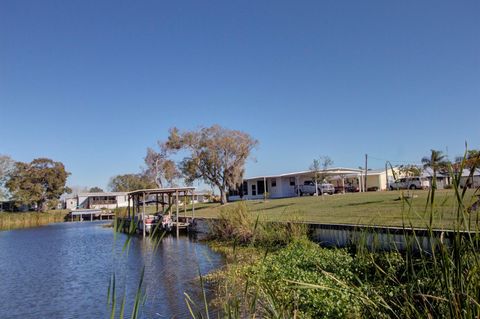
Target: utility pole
x=386, y=175
x=365, y=181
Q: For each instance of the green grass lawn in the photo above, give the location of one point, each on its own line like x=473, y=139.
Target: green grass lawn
x=372, y=208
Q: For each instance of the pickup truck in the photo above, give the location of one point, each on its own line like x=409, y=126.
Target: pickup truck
x=308, y=187
x=410, y=183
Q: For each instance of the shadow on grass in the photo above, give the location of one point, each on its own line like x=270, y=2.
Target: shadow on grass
x=277, y=206
x=366, y=203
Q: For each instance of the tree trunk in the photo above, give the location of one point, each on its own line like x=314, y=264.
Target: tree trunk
x=223, y=196
x=40, y=206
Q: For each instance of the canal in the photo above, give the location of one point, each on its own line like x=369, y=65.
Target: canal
x=63, y=271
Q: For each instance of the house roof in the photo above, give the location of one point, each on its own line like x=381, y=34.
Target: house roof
x=329, y=171
x=466, y=172
x=170, y=190
x=101, y=194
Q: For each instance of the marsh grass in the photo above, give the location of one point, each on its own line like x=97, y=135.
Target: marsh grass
x=238, y=225
x=31, y=219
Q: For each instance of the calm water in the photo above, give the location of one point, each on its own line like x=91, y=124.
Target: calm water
x=63, y=271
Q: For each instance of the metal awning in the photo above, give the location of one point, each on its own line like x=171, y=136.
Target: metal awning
x=170, y=190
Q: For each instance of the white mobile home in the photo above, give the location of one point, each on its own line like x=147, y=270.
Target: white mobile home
x=283, y=185
x=108, y=200
x=470, y=181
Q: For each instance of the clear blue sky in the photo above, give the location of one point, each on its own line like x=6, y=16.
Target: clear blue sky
x=94, y=83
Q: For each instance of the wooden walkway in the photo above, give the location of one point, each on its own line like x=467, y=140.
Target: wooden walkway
x=90, y=214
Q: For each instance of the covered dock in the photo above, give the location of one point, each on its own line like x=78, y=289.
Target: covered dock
x=164, y=199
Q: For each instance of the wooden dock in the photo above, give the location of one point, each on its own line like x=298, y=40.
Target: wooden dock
x=165, y=200
x=91, y=214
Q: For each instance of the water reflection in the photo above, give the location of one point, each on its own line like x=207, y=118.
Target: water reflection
x=63, y=270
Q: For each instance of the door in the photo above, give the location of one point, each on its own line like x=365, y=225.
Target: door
x=261, y=187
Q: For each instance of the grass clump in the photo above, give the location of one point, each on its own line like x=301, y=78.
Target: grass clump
x=236, y=224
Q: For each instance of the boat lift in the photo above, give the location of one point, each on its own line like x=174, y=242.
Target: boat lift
x=164, y=197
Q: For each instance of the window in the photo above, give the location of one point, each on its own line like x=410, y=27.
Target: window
x=292, y=181
x=274, y=182
x=254, y=190
x=233, y=192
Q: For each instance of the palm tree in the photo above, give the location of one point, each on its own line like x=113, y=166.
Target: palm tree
x=473, y=159
x=437, y=162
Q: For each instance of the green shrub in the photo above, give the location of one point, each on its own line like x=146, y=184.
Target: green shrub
x=308, y=281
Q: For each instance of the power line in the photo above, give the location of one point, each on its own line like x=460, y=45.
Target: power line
x=393, y=161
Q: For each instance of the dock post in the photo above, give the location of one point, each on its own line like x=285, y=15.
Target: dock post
x=169, y=205
x=177, y=208
x=185, y=195
x=143, y=215
x=193, y=204
x=128, y=209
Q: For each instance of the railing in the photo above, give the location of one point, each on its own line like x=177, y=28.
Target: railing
x=103, y=202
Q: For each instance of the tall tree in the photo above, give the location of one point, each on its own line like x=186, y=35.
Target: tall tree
x=409, y=170
x=160, y=169
x=39, y=182
x=437, y=162
x=130, y=182
x=217, y=155
x=6, y=167
x=95, y=189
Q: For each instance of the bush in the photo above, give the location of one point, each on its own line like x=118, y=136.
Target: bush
x=306, y=280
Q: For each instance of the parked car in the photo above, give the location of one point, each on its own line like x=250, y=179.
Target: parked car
x=308, y=187
x=351, y=189
x=326, y=188
x=410, y=183
x=347, y=189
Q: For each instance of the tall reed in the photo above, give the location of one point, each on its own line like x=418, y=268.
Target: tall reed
x=117, y=310
x=31, y=219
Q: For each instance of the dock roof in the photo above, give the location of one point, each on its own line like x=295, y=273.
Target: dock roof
x=169, y=190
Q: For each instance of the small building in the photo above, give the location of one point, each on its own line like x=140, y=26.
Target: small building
x=202, y=197
x=107, y=200
x=442, y=179
x=470, y=181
